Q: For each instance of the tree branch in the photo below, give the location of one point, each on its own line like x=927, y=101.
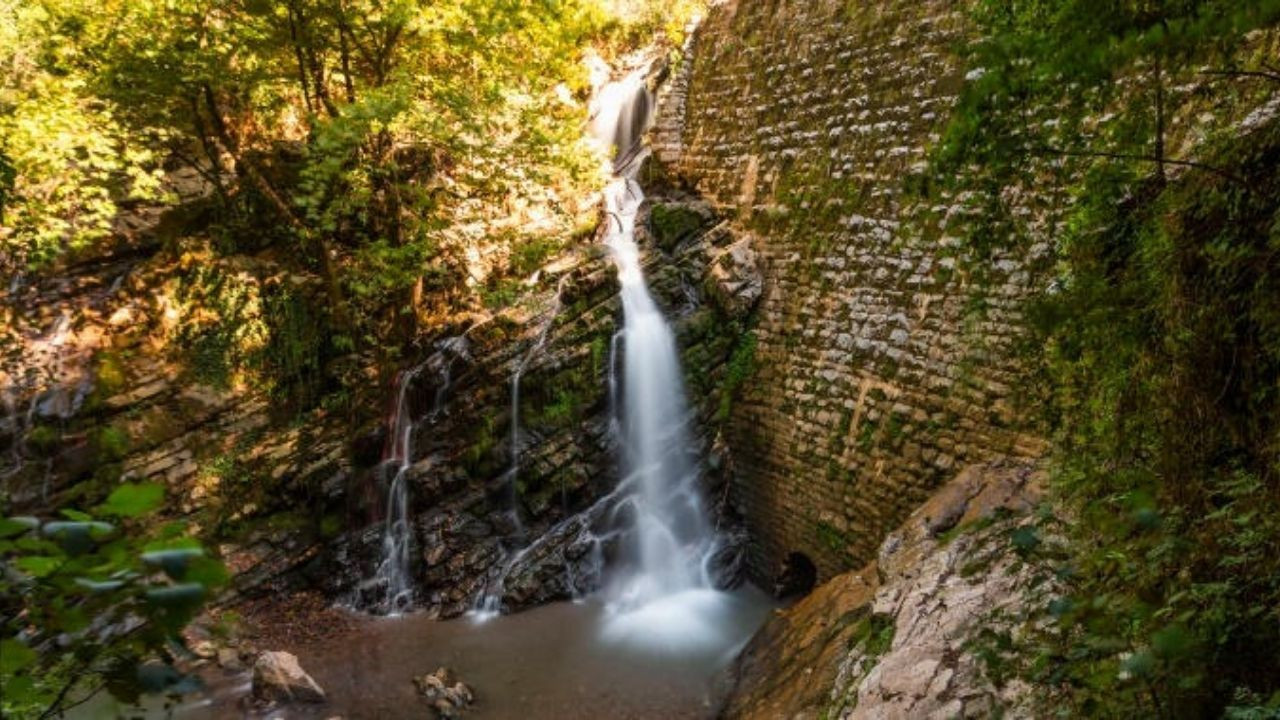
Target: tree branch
x=1046, y=150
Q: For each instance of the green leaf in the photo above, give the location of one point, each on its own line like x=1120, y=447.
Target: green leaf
x=174, y=561
x=182, y=595
x=14, y=656
x=38, y=565
x=130, y=500
x=10, y=527
x=208, y=572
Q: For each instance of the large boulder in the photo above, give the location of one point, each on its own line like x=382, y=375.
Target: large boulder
x=278, y=678
x=893, y=639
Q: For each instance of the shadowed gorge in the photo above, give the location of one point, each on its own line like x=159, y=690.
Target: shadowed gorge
x=614, y=358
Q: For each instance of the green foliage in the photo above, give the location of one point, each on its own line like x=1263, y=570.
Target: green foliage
x=636, y=22
x=874, y=634
x=291, y=361
x=742, y=365
x=66, y=159
x=93, y=600
x=529, y=254
x=1156, y=352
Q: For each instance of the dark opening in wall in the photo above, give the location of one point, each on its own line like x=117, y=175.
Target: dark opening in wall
x=797, y=577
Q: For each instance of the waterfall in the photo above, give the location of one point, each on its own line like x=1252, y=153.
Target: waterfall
x=513, y=473
x=393, y=572
x=392, y=577
x=660, y=592
x=657, y=590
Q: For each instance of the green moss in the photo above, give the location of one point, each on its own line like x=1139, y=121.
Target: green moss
x=501, y=293
x=971, y=526
x=478, y=456
x=741, y=366
x=866, y=436
x=529, y=254
x=110, y=377
x=331, y=525
x=874, y=634
x=832, y=537
x=43, y=439
x=112, y=443
x=599, y=355
x=672, y=224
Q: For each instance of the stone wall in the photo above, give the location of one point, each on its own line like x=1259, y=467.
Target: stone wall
x=876, y=376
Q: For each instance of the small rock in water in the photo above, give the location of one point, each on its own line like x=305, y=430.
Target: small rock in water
x=277, y=677
x=447, y=695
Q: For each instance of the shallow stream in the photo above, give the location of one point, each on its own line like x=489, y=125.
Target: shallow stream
x=564, y=661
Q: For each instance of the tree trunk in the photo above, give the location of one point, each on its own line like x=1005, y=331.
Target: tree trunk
x=221, y=136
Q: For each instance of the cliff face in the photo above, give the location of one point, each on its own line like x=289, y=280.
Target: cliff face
x=528, y=537
x=807, y=122
x=127, y=372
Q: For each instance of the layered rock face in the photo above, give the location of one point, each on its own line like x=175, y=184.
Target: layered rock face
x=529, y=536
x=98, y=395
x=807, y=122
x=897, y=639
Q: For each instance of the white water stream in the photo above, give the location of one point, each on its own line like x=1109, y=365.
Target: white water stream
x=392, y=579
x=660, y=594
x=393, y=572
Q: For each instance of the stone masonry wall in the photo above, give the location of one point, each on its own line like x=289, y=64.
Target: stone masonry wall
x=876, y=377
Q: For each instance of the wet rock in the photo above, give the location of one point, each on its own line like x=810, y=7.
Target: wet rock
x=278, y=678
x=76, y=460
x=447, y=695
x=366, y=447
x=205, y=649
x=672, y=223
x=229, y=659
x=727, y=566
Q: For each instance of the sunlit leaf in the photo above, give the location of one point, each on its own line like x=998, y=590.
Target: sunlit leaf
x=130, y=500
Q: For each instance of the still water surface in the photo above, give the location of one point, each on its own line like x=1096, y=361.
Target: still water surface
x=564, y=661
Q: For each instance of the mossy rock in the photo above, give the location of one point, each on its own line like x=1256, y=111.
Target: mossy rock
x=43, y=440
x=112, y=443
x=673, y=224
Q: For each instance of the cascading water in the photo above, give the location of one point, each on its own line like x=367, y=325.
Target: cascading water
x=513, y=473
x=392, y=577
x=660, y=592
x=657, y=591
x=393, y=572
